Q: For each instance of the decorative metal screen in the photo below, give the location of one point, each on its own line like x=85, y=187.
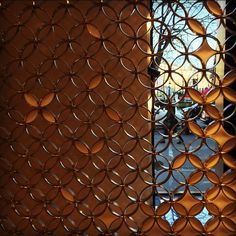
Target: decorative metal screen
x=116, y=117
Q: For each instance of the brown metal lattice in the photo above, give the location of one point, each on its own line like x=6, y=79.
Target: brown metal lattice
x=81, y=142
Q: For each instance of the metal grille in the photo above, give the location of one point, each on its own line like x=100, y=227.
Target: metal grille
x=116, y=117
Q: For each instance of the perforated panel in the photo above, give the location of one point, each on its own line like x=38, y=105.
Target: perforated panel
x=99, y=131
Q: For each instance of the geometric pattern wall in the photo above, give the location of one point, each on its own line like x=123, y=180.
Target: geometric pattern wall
x=116, y=117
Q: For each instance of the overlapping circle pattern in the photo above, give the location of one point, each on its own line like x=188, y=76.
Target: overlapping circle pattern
x=77, y=151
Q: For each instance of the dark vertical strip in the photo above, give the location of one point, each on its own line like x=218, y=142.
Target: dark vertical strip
x=231, y=61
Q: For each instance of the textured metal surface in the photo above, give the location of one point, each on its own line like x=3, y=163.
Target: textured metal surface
x=81, y=150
